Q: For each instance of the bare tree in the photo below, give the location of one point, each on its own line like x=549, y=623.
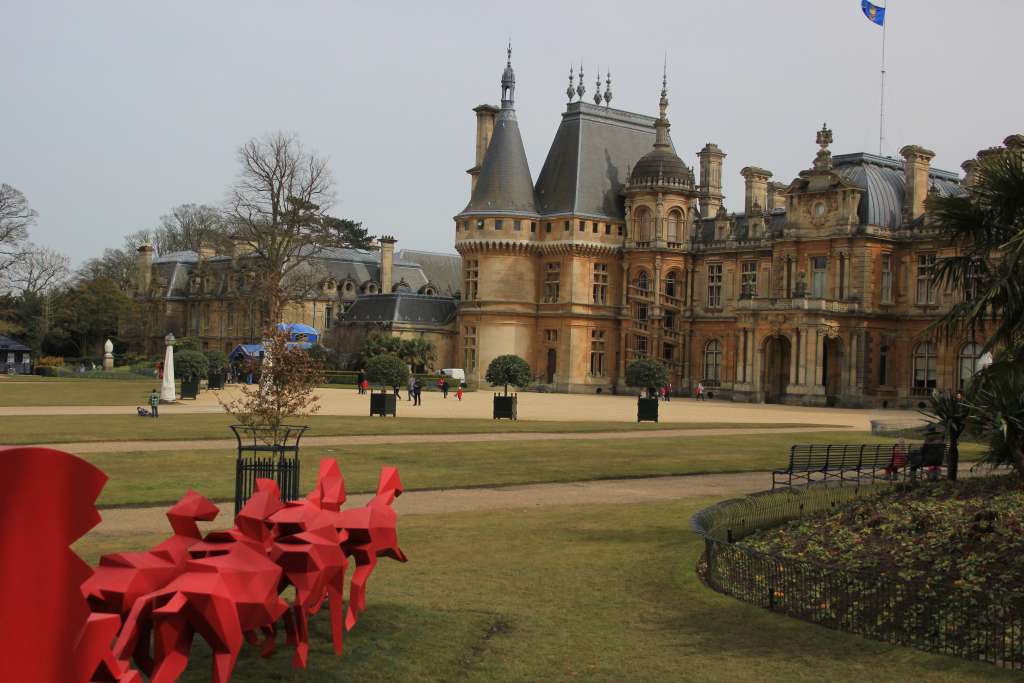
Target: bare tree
x=276, y=208
x=117, y=265
x=37, y=271
x=189, y=227
x=15, y=218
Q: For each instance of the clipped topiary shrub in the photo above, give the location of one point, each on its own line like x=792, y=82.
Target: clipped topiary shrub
x=646, y=373
x=188, y=363
x=387, y=370
x=509, y=369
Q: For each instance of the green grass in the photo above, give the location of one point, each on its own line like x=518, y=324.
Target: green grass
x=54, y=391
x=22, y=429
x=154, y=477
x=595, y=593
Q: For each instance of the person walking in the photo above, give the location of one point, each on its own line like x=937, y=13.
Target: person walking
x=444, y=387
x=668, y=392
x=398, y=396
x=412, y=386
x=154, y=403
x=417, y=391
x=458, y=394
x=360, y=378
x=700, y=391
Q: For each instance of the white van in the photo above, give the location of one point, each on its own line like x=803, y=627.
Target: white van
x=455, y=373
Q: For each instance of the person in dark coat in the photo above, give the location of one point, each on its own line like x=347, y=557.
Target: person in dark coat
x=417, y=391
x=359, y=381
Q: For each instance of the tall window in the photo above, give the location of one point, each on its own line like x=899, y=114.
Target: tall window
x=597, y=353
x=517, y=225
x=644, y=224
x=886, y=278
x=230, y=318
x=712, y=363
x=552, y=275
x=641, y=312
x=667, y=352
x=789, y=277
x=551, y=336
x=499, y=224
x=715, y=285
x=748, y=280
x=842, y=276
x=328, y=316
x=600, y=283
x=643, y=283
x=669, y=320
x=925, y=288
x=924, y=367
x=819, y=266
x=641, y=346
x=968, y=364
x=675, y=226
x=670, y=284
x=469, y=347
x=883, y=366
x=472, y=277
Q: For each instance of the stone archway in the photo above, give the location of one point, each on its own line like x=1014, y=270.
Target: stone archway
x=832, y=369
x=775, y=370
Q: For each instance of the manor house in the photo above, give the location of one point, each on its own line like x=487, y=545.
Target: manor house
x=818, y=292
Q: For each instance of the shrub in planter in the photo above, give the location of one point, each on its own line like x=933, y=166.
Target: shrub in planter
x=648, y=374
x=386, y=371
x=189, y=363
x=503, y=371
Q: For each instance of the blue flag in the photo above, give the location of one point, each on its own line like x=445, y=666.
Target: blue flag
x=873, y=12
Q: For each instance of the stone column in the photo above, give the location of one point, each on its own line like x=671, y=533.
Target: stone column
x=794, y=338
x=738, y=374
x=756, y=364
x=168, y=393
x=819, y=357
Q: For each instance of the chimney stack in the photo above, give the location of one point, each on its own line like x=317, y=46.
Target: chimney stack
x=755, y=195
x=143, y=268
x=485, y=116
x=777, y=196
x=387, y=261
x=916, y=161
x=710, y=180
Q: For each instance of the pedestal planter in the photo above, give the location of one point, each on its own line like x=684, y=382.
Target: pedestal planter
x=190, y=387
x=647, y=410
x=505, y=407
x=383, y=404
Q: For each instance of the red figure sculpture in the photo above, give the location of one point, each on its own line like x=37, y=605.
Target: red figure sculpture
x=228, y=589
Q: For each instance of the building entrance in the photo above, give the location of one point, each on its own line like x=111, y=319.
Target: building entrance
x=832, y=369
x=775, y=373
x=552, y=365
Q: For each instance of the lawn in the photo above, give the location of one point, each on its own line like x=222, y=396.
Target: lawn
x=34, y=429
x=157, y=477
x=595, y=593
x=76, y=392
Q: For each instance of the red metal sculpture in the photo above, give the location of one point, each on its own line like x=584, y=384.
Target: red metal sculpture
x=228, y=589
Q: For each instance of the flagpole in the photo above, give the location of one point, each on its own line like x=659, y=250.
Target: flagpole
x=881, y=99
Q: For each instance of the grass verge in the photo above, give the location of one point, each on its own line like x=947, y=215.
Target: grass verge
x=157, y=477
x=76, y=392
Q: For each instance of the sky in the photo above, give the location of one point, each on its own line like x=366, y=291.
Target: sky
x=114, y=112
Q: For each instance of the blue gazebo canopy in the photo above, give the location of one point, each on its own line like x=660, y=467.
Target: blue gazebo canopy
x=298, y=332
x=246, y=352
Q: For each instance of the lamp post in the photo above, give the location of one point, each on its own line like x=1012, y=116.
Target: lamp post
x=167, y=391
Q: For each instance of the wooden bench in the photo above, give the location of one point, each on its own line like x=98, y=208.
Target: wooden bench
x=840, y=463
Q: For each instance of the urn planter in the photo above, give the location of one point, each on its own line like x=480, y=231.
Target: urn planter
x=383, y=404
x=647, y=410
x=505, y=407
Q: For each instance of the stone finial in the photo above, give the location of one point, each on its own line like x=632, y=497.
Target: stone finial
x=608, y=88
x=823, y=159
x=1015, y=141
x=571, y=90
x=581, y=89
x=597, y=89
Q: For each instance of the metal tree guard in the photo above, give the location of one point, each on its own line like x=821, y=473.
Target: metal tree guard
x=281, y=462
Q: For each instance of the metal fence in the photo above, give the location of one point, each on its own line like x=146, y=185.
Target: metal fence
x=281, y=462
x=973, y=625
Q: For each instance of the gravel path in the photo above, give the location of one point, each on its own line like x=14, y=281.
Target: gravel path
x=122, y=521
x=370, y=439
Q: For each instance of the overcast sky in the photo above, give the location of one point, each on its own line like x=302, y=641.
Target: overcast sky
x=114, y=112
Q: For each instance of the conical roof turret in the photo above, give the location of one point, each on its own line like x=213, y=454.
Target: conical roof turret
x=504, y=184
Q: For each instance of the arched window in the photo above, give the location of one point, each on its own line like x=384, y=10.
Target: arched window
x=969, y=363
x=644, y=224
x=642, y=281
x=670, y=284
x=924, y=367
x=712, y=363
x=675, y=226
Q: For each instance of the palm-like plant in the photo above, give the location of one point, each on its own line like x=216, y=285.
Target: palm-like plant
x=987, y=229
x=418, y=352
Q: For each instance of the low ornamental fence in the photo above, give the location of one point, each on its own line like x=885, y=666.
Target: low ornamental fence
x=968, y=624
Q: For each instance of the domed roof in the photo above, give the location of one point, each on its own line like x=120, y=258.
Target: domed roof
x=662, y=162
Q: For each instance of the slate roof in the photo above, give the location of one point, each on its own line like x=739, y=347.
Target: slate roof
x=586, y=166
x=400, y=307
x=884, y=182
x=444, y=271
x=8, y=344
x=504, y=185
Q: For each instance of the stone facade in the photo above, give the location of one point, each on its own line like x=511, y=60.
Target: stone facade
x=817, y=293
